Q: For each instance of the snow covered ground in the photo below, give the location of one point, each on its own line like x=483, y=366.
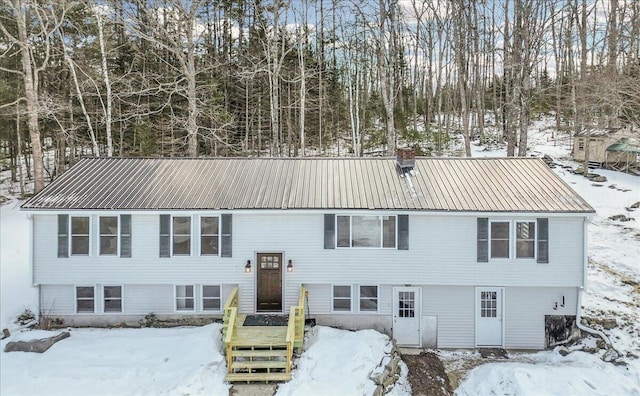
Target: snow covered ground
x=188, y=360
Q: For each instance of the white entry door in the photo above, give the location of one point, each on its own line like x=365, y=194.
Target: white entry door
x=489, y=316
x=406, y=316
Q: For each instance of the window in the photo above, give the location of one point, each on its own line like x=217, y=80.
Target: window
x=369, y=298
x=80, y=235
x=342, y=298
x=211, y=300
x=112, y=298
x=525, y=239
x=209, y=233
x=108, y=235
x=182, y=236
x=581, y=144
x=366, y=231
x=499, y=239
x=488, y=304
x=184, y=298
x=85, y=299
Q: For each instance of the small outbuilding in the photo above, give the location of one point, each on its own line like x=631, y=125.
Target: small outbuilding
x=611, y=147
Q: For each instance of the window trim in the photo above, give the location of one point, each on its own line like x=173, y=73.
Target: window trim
x=377, y=298
x=71, y=235
x=200, y=235
x=75, y=300
x=513, y=239
x=381, y=220
x=535, y=239
x=104, y=299
x=202, y=298
x=509, y=239
x=175, y=298
x=117, y=236
x=333, y=297
x=172, y=236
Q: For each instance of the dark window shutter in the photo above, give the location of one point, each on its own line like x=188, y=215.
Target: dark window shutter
x=165, y=237
x=225, y=248
x=483, y=240
x=329, y=231
x=125, y=235
x=63, y=235
x=403, y=232
x=543, y=240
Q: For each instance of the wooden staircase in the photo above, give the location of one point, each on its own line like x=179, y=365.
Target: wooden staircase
x=260, y=353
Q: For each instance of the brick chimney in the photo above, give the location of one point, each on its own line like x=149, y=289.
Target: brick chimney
x=406, y=158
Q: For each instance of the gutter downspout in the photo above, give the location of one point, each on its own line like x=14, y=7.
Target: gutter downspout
x=582, y=287
x=585, y=328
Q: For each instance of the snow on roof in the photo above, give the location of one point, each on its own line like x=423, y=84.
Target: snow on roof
x=438, y=184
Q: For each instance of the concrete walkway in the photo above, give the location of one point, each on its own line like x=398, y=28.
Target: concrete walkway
x=253, y=390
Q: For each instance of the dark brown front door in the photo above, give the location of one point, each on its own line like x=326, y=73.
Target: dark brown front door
x=269, y=275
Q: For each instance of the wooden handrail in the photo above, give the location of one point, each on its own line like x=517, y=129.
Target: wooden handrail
x=228, y=336
x=232, y=301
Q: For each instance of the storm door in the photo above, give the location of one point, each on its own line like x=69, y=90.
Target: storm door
x=269, y=282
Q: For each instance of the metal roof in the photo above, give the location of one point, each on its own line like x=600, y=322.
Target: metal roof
x=437, y=184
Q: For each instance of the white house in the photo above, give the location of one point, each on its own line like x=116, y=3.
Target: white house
x=444, y=252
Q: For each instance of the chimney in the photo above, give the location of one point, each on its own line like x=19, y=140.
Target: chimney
x=406, y=158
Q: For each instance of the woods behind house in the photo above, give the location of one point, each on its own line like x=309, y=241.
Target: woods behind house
x=305, y=77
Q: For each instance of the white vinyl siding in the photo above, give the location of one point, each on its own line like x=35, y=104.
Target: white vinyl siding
x=524, y=328
x=144, y=299
x=443, y=251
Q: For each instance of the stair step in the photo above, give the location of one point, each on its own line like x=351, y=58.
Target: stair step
x=259, y=353
x=257, y=364
x=258, y=377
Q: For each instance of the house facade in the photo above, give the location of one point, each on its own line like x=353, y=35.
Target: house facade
x=443, y=253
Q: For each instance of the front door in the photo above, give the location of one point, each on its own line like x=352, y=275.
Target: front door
x=489, y=316
x=406, y=316
x=269, y=284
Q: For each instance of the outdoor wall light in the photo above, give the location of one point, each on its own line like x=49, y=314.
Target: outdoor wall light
x=290, y=266
x=247, y=268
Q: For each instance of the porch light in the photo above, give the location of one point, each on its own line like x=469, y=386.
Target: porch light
x=290, y=266
x=247, y=268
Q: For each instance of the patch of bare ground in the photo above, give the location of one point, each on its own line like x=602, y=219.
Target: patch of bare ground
x=427, y=375
x=457, y=367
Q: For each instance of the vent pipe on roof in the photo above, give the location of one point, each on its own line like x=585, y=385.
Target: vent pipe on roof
x=406, y=158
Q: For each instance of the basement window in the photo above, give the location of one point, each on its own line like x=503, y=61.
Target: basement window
x=342, y=298
x=211, y=300
x=369, y=298
x=185, y=298
x=85, y=299
x=112, y=299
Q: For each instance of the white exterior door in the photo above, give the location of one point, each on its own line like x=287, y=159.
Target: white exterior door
x=406, y=316
x=489, y=316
